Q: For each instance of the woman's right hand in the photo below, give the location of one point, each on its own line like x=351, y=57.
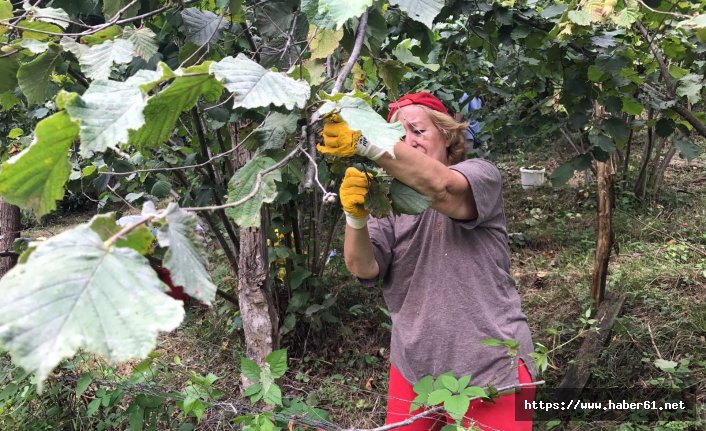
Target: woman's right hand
x=352, y=194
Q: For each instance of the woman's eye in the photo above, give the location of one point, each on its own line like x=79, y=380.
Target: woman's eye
x=419, y=132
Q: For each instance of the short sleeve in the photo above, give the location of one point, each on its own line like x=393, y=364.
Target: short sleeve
x=486, y=184
x=382, y=235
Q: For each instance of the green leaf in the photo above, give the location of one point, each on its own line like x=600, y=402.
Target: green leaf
x=438, y=396
x=139, y=239
x=35, y=46
x=202, y=27
x=243, y=184
x=35, y=177
x=618, y=130
x=449, y=382
x=108, y=33
x=632, y=107
x=8, y=73
x=392, y=72
x=665, y=365
x=273, y=396
x=15, y=132
x=664, y=127
x=595, y=73
x=250, y=369
x=423, y=11
x=83, y=383
x=47, y=14
x=28, y=26
x=376, y=200
x=254, y=86
x=97, y=62
x=277, y=361
x=297, y=277
x=580, y=17
x=253, y=389
x=237, y=13
x=341, y=11
x=463, y=381
x=457, y=406
x=163, y=110
x=186, y=259
x=72, y=293
x=404, y=54
x=690, y=86
x=34, y=77
x=406, y=200
x=274, y=131
x=143, y=41
x=424, y=385
x=323, y=41
x=5, y=13
x=161, y=189
x=688, y=149
x=315, y=16
x=626, y=17
x=112, y=7
x=106, y=112
x=360, y=116
x=602, y=141
x=93, y=406
x=474, y=392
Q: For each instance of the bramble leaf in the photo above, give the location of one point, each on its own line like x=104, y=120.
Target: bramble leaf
x=250, y=369
x=277, y=361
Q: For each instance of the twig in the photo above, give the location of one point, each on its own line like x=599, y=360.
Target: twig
x=121, y=198
x=127, y=228
x=256, y=189
x=355, y=53
x=571, y=141
x=676, y=14
x=659, y=57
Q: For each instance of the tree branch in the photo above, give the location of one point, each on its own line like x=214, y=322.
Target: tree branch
x=664, y=71
x=355, y=53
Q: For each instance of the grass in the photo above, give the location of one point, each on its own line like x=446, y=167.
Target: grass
x=342, y=366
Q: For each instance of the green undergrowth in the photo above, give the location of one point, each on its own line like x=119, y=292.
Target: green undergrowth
x=341, y=366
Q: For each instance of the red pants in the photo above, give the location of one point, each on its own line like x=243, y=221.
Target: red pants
x=483, y=415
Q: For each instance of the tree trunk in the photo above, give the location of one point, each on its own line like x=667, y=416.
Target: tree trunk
x=641, y=183
x=255, y=299
x=604, y=234
x=9, y=231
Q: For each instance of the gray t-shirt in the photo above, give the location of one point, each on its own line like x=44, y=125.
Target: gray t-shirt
x=448, y=286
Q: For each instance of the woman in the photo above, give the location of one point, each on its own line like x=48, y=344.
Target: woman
x=445, y=272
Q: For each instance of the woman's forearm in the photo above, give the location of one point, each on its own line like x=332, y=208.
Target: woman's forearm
x=358, y=253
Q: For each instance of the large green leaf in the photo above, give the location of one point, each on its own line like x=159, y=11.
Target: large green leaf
x=362, y=117
x=105, y=112
x=75, y=292
x=202, y=27
x=35, y=177
x=48, y=14
x=392, y=72
x=341, y=11
x=406, y=200
x=112, y=7
x=275, y=130
x=163, y=110
x=254, y=86
x=5, y=14
x=687, y=148
x=139, y=239
x=186, y=259
x=315, y=16
x=8, y=73
x=376, y=201
x=34, y=77
x=97, y=62
x=404, y=54
x=423, y=11
x=143, y=40
x=242, y=185
x=691, y=86
x=323, y=41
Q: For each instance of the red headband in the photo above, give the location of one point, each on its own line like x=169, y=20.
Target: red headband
x=421, y=98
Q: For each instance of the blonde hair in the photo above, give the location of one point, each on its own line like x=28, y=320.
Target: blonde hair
x=450, y=129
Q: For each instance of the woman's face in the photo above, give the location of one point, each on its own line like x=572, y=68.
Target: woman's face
x=421, y=134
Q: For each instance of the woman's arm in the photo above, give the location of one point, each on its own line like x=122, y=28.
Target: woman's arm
x=449, y=190
x=358, y=253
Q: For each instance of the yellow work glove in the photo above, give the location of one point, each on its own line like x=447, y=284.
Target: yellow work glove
x=340, y=140
x=352, y=193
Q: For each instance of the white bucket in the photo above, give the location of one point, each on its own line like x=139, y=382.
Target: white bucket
x=531, y=178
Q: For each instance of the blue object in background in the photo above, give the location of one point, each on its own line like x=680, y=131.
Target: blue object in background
x=473, y=129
